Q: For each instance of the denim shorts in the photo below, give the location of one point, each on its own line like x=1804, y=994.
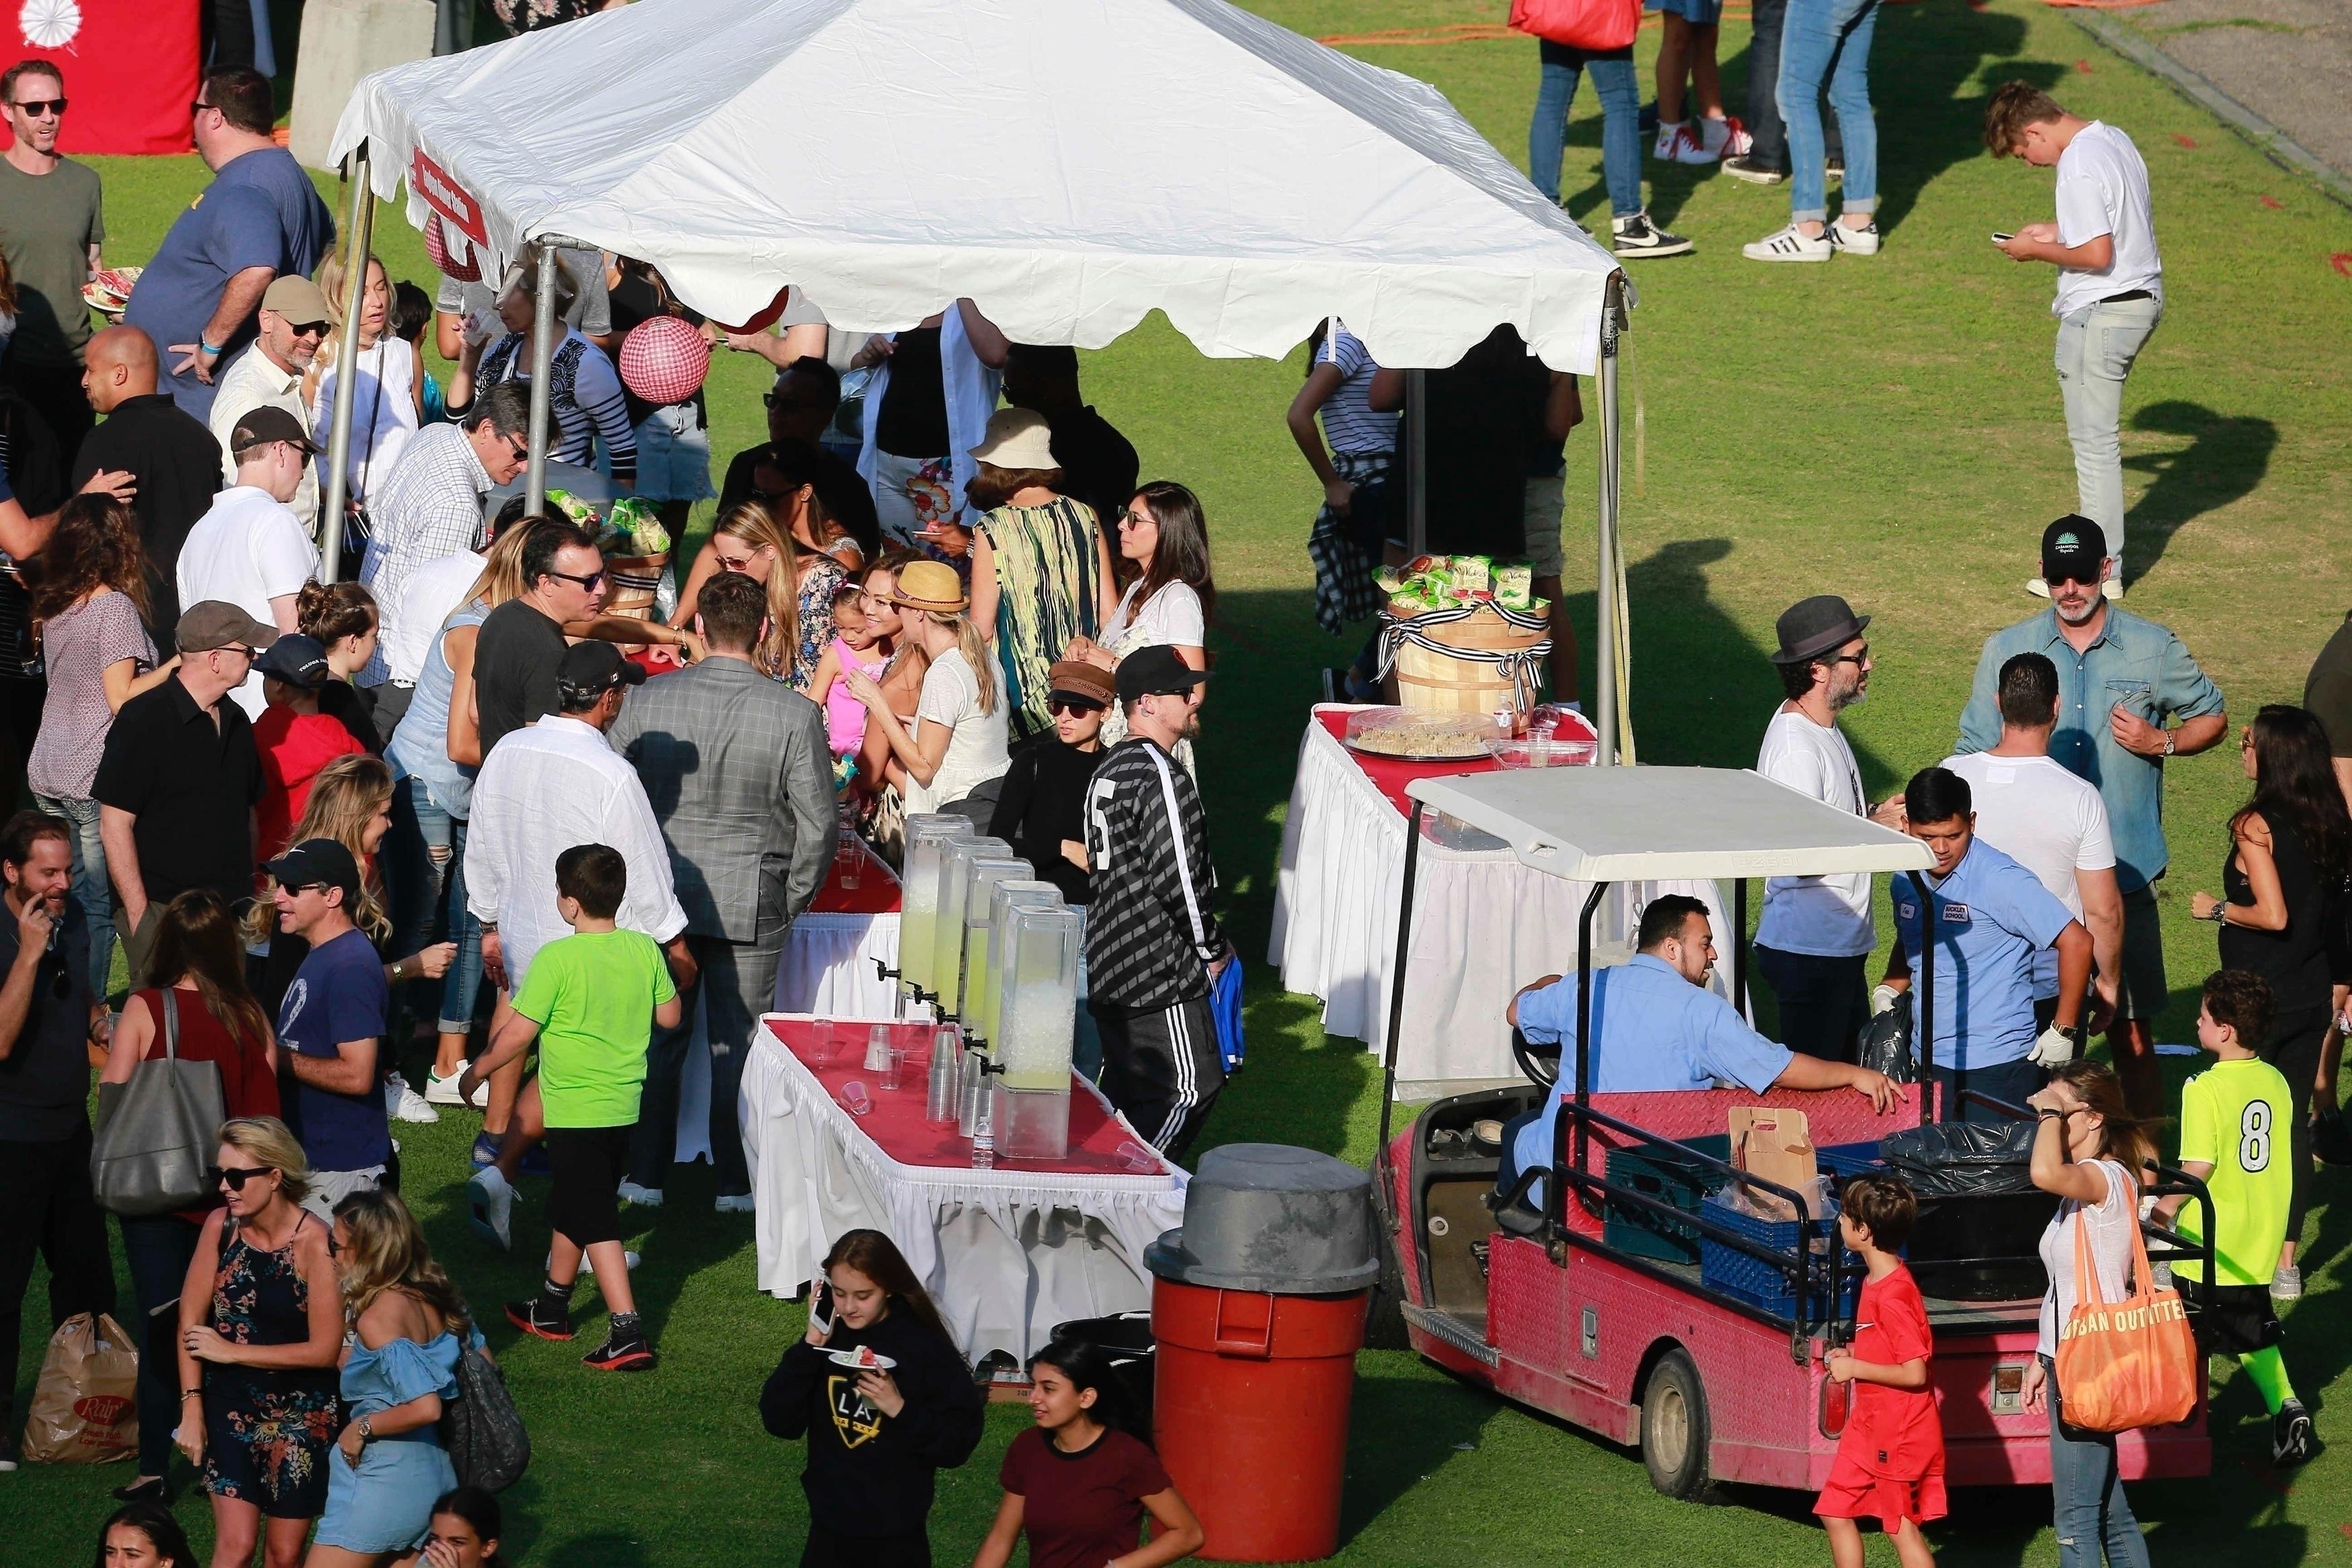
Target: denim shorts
x=1697, y=13
x=674, y=455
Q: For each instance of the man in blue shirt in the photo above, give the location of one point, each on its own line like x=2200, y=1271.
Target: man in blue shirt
x=1659, y=1028
x=332, y=1024
x=1992, y=915
x=260, y=218
x=2121, y=677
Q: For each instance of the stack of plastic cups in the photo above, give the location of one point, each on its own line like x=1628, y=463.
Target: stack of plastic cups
x=943, y=967
x=926, y=835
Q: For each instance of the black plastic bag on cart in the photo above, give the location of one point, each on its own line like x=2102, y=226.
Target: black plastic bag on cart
x=1885, y=1045
x=1962, y=1159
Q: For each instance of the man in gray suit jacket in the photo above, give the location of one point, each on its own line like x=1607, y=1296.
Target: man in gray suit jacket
x=741, y=778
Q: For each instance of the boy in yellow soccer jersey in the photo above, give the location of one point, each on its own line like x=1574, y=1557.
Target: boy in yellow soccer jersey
x=2235, y=1121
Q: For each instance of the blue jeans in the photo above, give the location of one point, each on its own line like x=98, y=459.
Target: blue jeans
x=90, y=889
x=157, y=1247
x=1621, y=135
x=424, y=863
x=2093, y=1516
x=1829, y=39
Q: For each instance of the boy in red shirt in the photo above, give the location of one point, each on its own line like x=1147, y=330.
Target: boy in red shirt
x=295, y=739
x=1890, y=1461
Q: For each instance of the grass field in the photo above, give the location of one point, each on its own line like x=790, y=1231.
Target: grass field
x=1886, y=429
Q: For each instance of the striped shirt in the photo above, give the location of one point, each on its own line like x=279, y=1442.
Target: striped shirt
x=584, y=399
x=1349, y=423
x=1150, y=936
x=427, y=509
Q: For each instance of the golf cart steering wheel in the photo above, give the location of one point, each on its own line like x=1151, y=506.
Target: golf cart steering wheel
x=1539, y=1063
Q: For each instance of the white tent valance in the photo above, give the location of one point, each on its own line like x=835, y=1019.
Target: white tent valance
x=1069, y=165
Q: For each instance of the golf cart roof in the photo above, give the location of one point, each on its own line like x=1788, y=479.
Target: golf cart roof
x=1639, y=824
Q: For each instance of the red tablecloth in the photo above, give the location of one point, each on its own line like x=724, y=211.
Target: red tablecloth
x=877, y=892
x=129, y=71
x=1389, y=775
x=896, y=1125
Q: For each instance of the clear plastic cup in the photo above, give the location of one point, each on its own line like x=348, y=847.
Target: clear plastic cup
x=854, y=1099
x=1136, y=1159
x=877, y=1048
x=850, y=859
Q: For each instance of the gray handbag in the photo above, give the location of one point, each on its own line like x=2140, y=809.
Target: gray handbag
x=157, y=1134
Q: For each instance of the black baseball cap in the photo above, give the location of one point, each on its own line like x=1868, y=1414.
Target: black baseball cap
x=593, y=668
x=261, y=426
x=318, y=861
x=2073, y=549
x=1153, y=670
x=296, y=660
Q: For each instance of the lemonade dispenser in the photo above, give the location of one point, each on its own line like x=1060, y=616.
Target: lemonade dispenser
x=1037, y=1009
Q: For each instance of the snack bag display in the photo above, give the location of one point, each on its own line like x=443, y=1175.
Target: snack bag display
x=1515, y=587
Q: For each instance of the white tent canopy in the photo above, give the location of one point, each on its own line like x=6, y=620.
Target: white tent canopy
x=1069, y=165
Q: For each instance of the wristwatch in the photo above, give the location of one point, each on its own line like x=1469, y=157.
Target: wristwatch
x=2047, y=1113
x=396, y=966
x=2171, y=741
x=367, y=1431
x=2220, y=916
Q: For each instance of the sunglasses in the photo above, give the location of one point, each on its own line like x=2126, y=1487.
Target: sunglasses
x=199, y=106
x=40, y=107
x=519, y=446
x=234, y=1177
x=1861, y=658
x=307, y=329
x=1138, y=521
x=775, y=400
x=591, y=581
x=1072, y=706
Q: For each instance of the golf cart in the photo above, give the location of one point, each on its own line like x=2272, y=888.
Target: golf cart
x=1630, y=1301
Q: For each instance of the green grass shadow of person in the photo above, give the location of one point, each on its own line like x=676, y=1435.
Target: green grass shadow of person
x=2225, y=461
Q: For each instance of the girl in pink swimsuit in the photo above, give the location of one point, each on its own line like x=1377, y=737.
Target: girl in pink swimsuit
x=853, y=640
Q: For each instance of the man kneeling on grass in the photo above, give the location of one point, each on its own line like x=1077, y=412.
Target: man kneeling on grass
x=593, y=1000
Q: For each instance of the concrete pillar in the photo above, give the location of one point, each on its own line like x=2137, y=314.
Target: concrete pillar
x=343, y=40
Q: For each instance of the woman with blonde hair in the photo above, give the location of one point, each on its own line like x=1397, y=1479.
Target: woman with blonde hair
x=261, y=1325
x=409, y=1328
x=954, y=758
x=749, y=539
x=387, y=378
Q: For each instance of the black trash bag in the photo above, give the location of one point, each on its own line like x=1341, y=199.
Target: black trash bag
x=1962, y=1159
x=1885, y=1044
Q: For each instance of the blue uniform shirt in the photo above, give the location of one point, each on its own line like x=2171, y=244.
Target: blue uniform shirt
x=1992, y=917
x=2135, y=662
x=262, y=210
x=1655, y=1032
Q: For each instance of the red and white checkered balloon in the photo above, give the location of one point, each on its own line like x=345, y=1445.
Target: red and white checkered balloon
x=664, y=360
x=461, y=263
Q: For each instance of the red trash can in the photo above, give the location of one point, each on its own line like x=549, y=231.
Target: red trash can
x=1257, y=1306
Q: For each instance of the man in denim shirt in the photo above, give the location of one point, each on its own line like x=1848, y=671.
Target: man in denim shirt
x=2121, y=678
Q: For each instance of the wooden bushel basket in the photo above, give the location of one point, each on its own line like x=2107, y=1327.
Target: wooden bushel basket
x=634, y=579
x=1439, y=680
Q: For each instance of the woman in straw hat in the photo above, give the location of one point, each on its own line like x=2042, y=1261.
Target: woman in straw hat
x=1041, y=567
x=954, y=756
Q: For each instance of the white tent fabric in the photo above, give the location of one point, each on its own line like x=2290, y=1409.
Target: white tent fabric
x=1069, y=165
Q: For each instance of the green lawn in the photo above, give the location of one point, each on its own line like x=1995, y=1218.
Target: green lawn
x=1887, y=429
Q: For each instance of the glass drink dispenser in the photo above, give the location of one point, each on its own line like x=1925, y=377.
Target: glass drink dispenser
x=919, y=891
x=947, y=917
x=984, y=917
x=1037, y=1006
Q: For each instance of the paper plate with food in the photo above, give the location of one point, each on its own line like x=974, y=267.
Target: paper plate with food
x=865, y=1358
x=110, y=291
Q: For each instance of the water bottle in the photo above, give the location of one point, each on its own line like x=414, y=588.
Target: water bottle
x=983, y=1129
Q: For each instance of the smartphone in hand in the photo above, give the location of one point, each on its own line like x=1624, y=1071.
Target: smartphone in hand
x=821, y=1307
x=2001, y=238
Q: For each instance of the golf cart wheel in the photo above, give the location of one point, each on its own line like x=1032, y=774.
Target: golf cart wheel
x=1674, y=1427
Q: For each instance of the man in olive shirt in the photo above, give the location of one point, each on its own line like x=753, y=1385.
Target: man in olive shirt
x=172, y=460
x=51, y=224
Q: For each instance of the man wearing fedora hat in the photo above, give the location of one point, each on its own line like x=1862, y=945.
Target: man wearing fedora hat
x=1815, y=933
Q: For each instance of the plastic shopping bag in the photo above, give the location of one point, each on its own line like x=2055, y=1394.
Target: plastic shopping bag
x=84, y=1410
x=1225, y=1006
x=2126, y=1363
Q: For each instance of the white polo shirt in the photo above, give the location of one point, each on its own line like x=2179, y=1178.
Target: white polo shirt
x=2048, y=820
x=247, y=550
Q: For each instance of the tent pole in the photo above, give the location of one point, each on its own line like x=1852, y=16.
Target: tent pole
x=1609, y=611
x=543, y=351
x=359, y=235
x=1416, y=470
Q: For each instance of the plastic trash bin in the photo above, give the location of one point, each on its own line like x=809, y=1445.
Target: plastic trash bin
x=1257, y=1304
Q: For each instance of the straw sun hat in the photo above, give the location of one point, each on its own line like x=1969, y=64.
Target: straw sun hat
x=929, y=585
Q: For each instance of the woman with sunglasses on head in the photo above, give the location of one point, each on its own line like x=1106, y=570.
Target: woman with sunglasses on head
x=198, y=1011
x=586, y=405
x=2281, y=913
x=823, y=554
x=1163, y=538
x=261, y=1326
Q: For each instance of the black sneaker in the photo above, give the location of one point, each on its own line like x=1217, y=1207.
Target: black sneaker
x=2292, y=1441
x=1754, y=170
x=621, y=1355
x=1637, y=236
x=535, y=1316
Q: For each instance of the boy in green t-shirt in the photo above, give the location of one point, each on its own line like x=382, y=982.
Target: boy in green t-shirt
x=592, y=1000
x=2235, y=1121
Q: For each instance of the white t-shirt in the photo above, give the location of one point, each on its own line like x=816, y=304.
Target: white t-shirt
x=431, y=592
x=1171, y=616
x=2046, y=820
x=976, y=751
x=2103, y=190
x=247, y=550
x=1825, y=916
x=2111, y=1222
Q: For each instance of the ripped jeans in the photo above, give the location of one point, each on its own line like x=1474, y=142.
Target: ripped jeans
x=2093, y=1516
x=425, y=864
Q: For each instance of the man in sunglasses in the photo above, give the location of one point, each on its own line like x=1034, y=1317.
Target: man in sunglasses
x=331, y=1025
x=261, y=219
x=269, y=374
x=2129, y=695
x=520, y=649
x=52, y=222
x=51, y=1027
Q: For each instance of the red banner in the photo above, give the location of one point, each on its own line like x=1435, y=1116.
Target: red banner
x=130, y=69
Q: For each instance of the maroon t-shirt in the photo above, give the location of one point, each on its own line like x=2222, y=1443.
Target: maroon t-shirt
x=1081, y=1509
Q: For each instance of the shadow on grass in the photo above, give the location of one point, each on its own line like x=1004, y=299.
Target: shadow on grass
x=2224, y=461
x=1401, y=1431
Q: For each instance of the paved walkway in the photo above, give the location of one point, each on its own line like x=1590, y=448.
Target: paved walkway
x=2290, y=61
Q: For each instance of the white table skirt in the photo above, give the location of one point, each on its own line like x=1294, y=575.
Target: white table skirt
x=826, y=968
x=1483, y=926
x=1006, y=1254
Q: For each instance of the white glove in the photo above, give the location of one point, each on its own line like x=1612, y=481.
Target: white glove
x=2055, y=1049
x=1883, y=998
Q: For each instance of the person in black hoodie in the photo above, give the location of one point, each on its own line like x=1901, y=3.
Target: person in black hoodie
x=875, y=1438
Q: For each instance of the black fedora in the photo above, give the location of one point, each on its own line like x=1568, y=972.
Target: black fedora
x=1811, y=627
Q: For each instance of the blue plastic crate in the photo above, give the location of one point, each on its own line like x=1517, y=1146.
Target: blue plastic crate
x=1849, y=1159
x=1670, y=1178
x=1725, y=1267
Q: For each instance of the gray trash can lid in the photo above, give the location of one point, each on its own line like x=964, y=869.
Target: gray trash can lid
x=1272, y=1219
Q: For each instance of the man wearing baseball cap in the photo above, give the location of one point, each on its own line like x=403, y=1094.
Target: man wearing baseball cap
x=1152, y=945
x=294, y=317
x=332, y=1024
x=250, y=550
x=179, y=778
x=2129, y=695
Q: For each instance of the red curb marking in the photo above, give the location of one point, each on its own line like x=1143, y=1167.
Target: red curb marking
x=2084, y=67
x=2342, y=262
x=2274, y=204
x=2184, y=140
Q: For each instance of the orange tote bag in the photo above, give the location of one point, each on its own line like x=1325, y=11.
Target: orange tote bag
x=2126, y=1363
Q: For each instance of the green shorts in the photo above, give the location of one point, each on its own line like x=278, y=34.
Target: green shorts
x=2140, y=992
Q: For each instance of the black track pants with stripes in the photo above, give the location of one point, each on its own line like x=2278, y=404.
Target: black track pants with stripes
x=1160, y=1068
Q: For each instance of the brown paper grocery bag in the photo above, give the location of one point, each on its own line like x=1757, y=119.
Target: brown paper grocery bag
x=85, y=1410
x=1776, y=1146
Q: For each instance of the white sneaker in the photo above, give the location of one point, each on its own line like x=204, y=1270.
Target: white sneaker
x=1726, y=138
x=2114, y=587
x=440, y=1091
x=643, y=1197
x=1680, y=144
x=1790, y=244
x=1863, y=241
x=2038, y=586
x=736, y=1203
x=491, y=1197
x=402, y=1103
x=588, y=1264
